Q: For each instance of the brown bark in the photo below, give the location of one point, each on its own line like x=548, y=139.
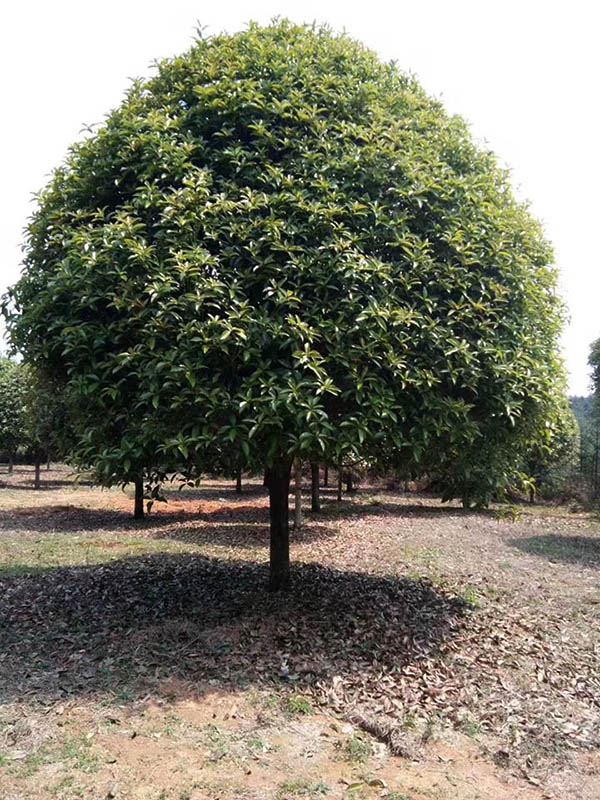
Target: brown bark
x=238, y=481
x=349, y=483
x=340, y=476
x=138, y=509
x=315, y=499
x=279, y=558
x=325, y=476
x=36, y=481
x=297, y=494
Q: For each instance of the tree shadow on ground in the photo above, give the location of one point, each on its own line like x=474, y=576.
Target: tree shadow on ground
x=127, y=626
x=76, y=519
x=249, y=533
x=218, y=491
x=45, y=485
x=584, y=550
x=380, y=508
x=231, y=525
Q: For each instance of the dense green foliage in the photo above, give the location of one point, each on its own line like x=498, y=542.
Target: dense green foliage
x=553, y=463
x=13, y=406
x=594, y=363
x=585, y=411
x=280, y=245
x=33, y=418
x=588, y=409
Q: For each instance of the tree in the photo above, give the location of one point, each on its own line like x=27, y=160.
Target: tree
x=585, y=411
x=13, y=404
x=282, y=245
x=593, y=427
x=594, y=363
x=551, y=463
x=45, y=421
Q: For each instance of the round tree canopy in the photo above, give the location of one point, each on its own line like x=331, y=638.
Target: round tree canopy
x=281, y=245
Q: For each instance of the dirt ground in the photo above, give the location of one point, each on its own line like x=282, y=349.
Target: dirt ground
x=423, y=651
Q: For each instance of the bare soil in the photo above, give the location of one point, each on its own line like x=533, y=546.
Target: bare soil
x=423, y=651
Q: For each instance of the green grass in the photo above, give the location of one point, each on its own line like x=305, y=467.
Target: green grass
x=302, y=787
x=77, y=751
x=471, y=596
x=509, y=513
x=23, y=556
x=470, y=727
x=297, y=704
x=356, y=749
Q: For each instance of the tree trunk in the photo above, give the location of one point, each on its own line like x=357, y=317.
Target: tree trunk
x=349, y=483
x=340, y=476
x=297, y=494
x=314, y=474
x=238, y=481
x=325, y=476
x=11, y=464
x=138, y=509
x=266, y=478
x=48, y=462
x=279, y=488
x=36, y=481
x=532, y=495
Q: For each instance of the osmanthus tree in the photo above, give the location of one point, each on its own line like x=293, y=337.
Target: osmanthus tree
x=279, y=246
x=590, y=454
x=594, y=364
x=13, y=405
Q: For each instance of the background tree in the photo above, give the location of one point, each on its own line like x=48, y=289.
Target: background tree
x=282, y=244
x=13, y=404
x=553, y=463
x=592, y=423
x=584, y=409
x=46, y=425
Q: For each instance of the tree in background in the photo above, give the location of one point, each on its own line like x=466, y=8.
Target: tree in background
x=591, y=426
x=46, y=430
x=552, y=463
x=13, y=404
x=280, y=245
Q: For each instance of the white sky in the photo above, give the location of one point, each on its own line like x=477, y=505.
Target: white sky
x=525, y=74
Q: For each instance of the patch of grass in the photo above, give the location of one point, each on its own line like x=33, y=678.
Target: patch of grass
x=471, y=597
x=409, y=721
x=257, y=744
x=218, y=742
x=297, y=704
x=80, y=753
x=67, y=782
x=470, y=727
x=28, y=556
x=77, y=751
x=31, y=764
x=119, y=697
x=356, y=749
x=508, y=513
x=302, y=787
x=172, y=723
x=23, y=571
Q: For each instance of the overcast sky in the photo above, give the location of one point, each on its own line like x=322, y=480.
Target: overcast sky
x=524, y=74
